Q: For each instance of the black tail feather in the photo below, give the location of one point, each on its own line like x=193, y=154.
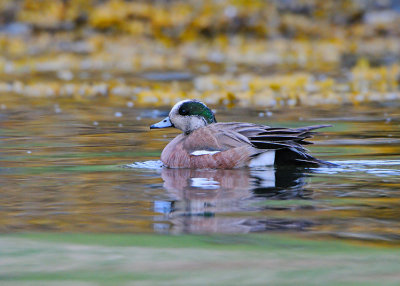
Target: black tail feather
x=288, y=143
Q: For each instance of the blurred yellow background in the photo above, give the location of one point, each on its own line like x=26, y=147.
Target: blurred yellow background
x=248, y=53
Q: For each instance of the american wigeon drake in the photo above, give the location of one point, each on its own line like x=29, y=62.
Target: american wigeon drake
x=205, y=143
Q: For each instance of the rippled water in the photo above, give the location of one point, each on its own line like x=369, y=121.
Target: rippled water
x=93, y=166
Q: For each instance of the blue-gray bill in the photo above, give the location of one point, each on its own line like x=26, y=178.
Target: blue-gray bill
x=165, y=123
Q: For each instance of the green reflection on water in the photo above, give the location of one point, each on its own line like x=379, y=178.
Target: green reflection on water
x=193, y=260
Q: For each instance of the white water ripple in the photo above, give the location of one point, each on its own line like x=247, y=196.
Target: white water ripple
x=379, y=168
x=151, y=165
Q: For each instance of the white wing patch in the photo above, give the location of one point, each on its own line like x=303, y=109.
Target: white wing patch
x=203, y=152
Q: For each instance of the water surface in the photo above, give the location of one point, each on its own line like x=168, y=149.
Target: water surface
x=93, y=166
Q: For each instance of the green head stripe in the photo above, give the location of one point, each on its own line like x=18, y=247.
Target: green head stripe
x=197, y=108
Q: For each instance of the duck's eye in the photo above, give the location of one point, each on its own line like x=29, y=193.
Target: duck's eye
x=183, y=111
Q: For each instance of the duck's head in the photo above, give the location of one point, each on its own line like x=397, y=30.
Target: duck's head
x=187, y=115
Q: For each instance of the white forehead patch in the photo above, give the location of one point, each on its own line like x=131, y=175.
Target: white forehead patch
x=175, y=108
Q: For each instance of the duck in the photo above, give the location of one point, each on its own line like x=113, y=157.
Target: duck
x=207, y=144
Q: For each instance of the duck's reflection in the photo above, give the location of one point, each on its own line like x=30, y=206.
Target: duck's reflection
x=198, y=195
